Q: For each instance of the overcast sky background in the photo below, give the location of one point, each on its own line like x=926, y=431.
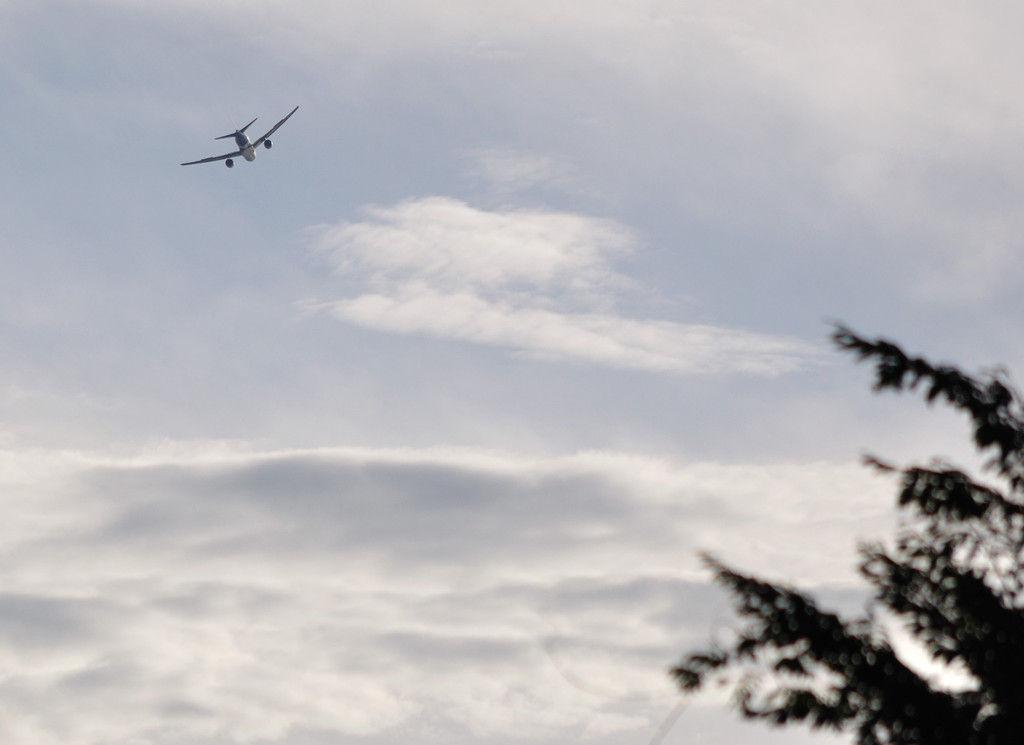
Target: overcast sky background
x=412, y=429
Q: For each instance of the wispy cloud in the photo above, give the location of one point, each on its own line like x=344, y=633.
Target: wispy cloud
x=509, y=171
x=537, y=282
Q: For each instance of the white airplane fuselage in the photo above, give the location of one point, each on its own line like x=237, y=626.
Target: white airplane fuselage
x=245, y=145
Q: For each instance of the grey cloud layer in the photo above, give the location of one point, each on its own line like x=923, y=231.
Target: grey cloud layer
x=492, y=591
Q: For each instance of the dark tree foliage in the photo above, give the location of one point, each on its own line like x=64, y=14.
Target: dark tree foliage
x=953, y=577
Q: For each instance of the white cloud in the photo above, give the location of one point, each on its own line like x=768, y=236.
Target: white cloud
x=538, y=282
x=452, y=245
x=582, y=337
x=408, y=593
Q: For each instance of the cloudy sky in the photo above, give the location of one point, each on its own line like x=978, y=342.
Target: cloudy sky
x=411, y=430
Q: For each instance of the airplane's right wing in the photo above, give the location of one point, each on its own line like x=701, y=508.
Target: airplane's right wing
x=274, y=128
x=214, y=158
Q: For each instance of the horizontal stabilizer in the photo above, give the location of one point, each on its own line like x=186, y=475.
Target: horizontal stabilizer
x=236, y=132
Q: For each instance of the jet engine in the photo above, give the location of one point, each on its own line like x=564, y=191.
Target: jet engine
x=268, y=144
x=229, y=163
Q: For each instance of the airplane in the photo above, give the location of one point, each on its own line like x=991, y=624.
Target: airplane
x=246, y=148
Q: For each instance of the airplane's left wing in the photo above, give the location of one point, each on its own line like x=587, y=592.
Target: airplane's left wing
x=214, y=158
x=274, y=128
